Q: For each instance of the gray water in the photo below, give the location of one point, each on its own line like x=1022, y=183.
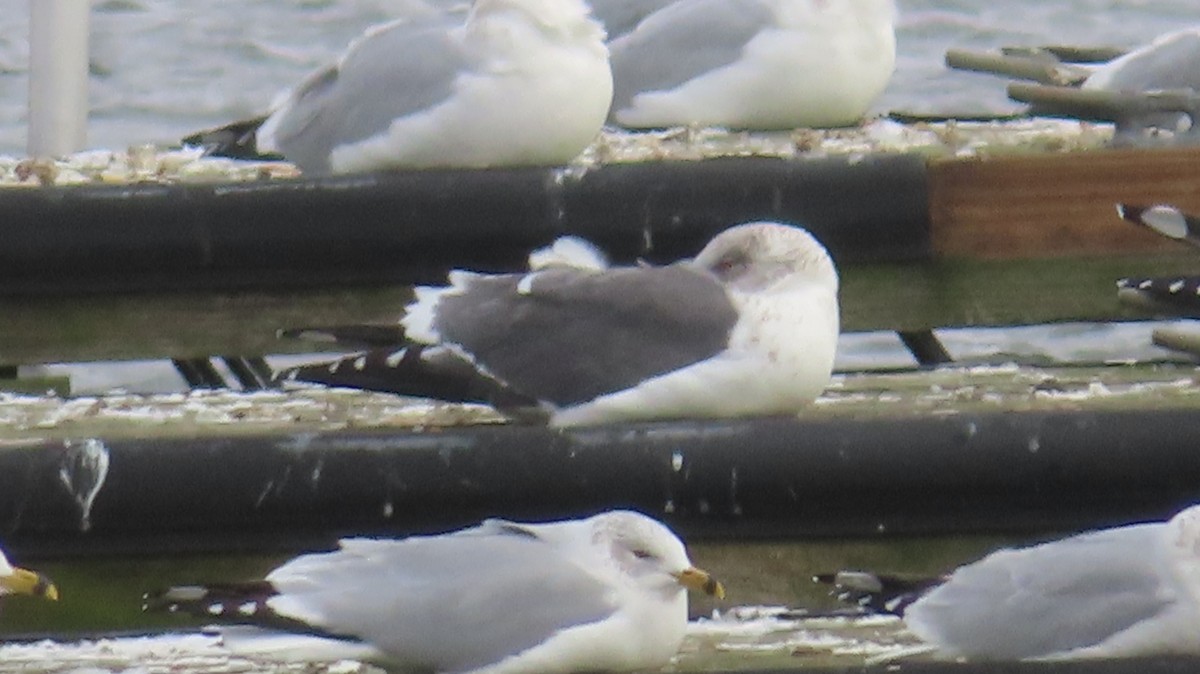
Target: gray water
x=163, y=68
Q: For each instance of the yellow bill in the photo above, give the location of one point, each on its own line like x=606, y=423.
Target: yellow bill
x=32, y=583
x=700, y=581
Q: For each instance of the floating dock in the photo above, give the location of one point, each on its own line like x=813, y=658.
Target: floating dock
x=957, y=232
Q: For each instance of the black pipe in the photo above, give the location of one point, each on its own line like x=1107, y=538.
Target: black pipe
x=410, y=227
x=765, y=478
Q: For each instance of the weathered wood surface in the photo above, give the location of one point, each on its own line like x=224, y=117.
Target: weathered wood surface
x=1056, y=205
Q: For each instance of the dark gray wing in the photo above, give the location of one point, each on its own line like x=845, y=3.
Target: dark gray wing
x=577, y=335
x=448, y=603
x=1172, y=62
x=389, y=73
x=680, y=42
x=1055, y=597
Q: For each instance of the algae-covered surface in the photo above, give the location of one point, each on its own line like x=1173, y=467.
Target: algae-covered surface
x=150, y=164
x=945, y=391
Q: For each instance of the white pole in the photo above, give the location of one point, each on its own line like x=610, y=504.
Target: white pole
x=58, y=77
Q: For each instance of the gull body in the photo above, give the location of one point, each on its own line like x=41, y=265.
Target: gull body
x=748, y=327
x=607, y=593
x=505, y=83
x=753, y=64
x=1120, y=592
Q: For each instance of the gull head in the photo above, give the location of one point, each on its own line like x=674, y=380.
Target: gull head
x=650, y=555
x=765, y=256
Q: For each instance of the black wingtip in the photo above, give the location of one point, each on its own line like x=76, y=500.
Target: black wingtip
x=226, y=602
x=1129, y=212
x=236, y=140
x=878, y=593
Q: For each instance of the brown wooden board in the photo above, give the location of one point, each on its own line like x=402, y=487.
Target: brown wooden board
x=1044, y=205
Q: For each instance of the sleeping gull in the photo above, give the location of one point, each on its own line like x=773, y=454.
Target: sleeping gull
x=1169, y=62
x=753, y=64
x=511, y=82
x=15, y=580
x=607, y=593
x=748, y=327
x=1125, y=591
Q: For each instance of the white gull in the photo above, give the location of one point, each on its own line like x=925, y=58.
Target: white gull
x=754, y=64
x=607, y=593
x=510, y=82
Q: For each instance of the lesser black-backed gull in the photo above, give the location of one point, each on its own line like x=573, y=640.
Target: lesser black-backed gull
x=748, y=327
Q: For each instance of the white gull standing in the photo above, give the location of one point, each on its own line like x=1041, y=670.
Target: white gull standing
x=754, y=64
x=749, y=327
x=607, y=593
x=508, y=83
x=1125, y=591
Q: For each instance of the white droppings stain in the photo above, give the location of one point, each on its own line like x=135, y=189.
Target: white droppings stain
x=388, y=509
x=677, y=461
x=972, y=429
x=216, y=609
x=704, y=507
x=262, y=495
x=1145, y=285
x=360, y=363
x=249, y=608
x=1176, y=286
x=394, y=359
x=669, y=507
x=735, y=507
x=83, y=471
x=1034, y=444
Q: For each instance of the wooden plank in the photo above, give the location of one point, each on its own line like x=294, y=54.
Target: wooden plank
x=1052, y=205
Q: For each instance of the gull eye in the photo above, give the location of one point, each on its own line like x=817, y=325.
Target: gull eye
x=729, y=265
x=642, y=554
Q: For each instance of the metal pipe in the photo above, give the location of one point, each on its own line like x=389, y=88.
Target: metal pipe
x=58, y=77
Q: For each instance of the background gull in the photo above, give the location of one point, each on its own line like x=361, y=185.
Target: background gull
x=753, y=64
x=1170, y=61
x=511, y=82
x=749, y=327
x=15, y=580
x=1132, y=590
x=607, y=593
